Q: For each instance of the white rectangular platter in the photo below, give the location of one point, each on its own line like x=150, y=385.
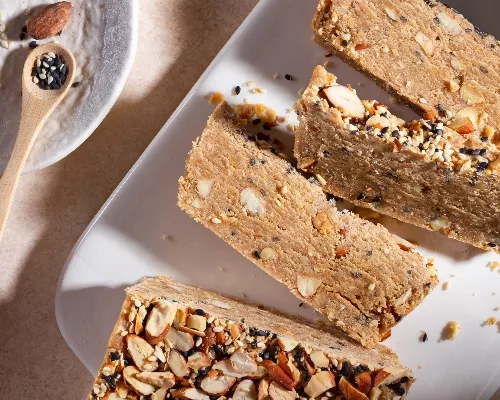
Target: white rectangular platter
x=141, y=232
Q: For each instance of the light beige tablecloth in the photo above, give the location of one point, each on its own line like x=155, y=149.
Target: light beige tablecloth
x=177, y=41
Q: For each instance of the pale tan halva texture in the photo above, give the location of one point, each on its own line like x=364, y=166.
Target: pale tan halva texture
x=420, y=172
x=421, y=50
x=207, y=344
x=354, y=272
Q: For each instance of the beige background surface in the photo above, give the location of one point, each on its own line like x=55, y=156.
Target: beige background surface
x=177, y=41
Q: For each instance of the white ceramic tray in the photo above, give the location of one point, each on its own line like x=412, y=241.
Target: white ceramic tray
x=103, y=40
x=127, y=241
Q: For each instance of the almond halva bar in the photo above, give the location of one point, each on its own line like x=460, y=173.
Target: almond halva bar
x=353, y=272
x=174, y=341
x=421, y=50
x=420, y=172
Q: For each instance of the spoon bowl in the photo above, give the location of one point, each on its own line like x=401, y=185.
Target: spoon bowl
x=37, y=106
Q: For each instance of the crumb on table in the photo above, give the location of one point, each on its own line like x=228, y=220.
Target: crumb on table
x=446, y=285
x=450, y=331
x=494, y=265
x=216, y=98
x=490, y=321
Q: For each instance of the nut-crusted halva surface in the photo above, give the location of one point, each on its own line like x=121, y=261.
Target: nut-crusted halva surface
x=421, y=50
x=354, y=272
x=420, y=172
x=174, y=341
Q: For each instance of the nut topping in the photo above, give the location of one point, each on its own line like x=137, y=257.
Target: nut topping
x=181, y=341
x=391, y=13
x=263, y=389
x=160, y=394
x=307, y=285
x=345, y=100
x=349, y=391
x=198, y=360
x=160, y=379
x=159, y=321
x=364, y=382
x=322, y=223
x=287, y=365
x=320, y=383
x=218, y=385
x=319, y=359
x=197, y=322
x=277, y=374
x=177, y=364
x=130, y=376
x=242, y=363
x=287, y=344
x=470, y=94
x=245, y=390
x=140, y=351
x=278, y=392
x=375, y=393
x=190, y=394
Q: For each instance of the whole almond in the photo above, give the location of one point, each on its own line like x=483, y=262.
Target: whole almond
x=50, y=21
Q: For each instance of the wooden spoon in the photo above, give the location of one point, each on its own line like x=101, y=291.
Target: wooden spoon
x=37, y=106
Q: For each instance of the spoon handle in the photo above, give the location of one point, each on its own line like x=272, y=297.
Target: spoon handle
x=33, y=115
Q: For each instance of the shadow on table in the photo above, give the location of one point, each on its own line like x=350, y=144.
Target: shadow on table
x=35, y=361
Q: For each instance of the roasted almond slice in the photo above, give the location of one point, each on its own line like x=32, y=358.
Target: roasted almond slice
x=140, y=351
x=277, y=374
x=252, y=201
x=287, y=344
x=198, y=360
x=50, y=21
x=190, y=394
x=263, y=389
x=245, y=390
x=209, y=340
x=160, y=394
x=349, y=391
x=387, y=376
x=197, y=322
x=308, y=285
x=180, y=317
x=191, y=331
x=364, y=382
x=235, y=330
x=242, y=363
x=177, y=363
x=426, y=43
x=462, y=125
x=319, y=359
x=226, y=367
x=139, y=319
x=375, y=393
x=320, y=383
x=159, y=321
x=130, y=376
x=160, y=379
x=278, y=392
x=181, y=341
x=122, y=389
x=220, y=337
x=287, y=365
x=345, y=100
x=470, y=94
x=217, y=386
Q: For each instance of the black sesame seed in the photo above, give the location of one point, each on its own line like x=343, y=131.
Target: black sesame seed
x=249, y=180
x=253, y=161
x=425, y=338
x=385, y=129
x=437, y=21
x=463, y=150
x=33, y=44
x=482, y=152
x=377, y=199
x=237, y=90
x=314, y=181
x=355, y=275
x=476, y=152
x=75, y=84
x=398, y=390
x=483, y=69
x=22, y=36
x=199, y=311
x=345, y=42
x=114, y=355
x=110, y=381
x=288, y=77
x=403, y=18
x=483, y=164
x=369, y=128
x=265, y=355
x=266, y=126
x=360, y=196
x=369, y=253
x=24, y=29
x=327, y=154
x=263, y=192
x=484, y=139
x=440, y=108
x=256, y=253
x=399, y=318
x=384, y=114
x=301, y=304
x=256, y=121
x=344, y=371
x=395, y=133
x=233, y=233
x=491, y=244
